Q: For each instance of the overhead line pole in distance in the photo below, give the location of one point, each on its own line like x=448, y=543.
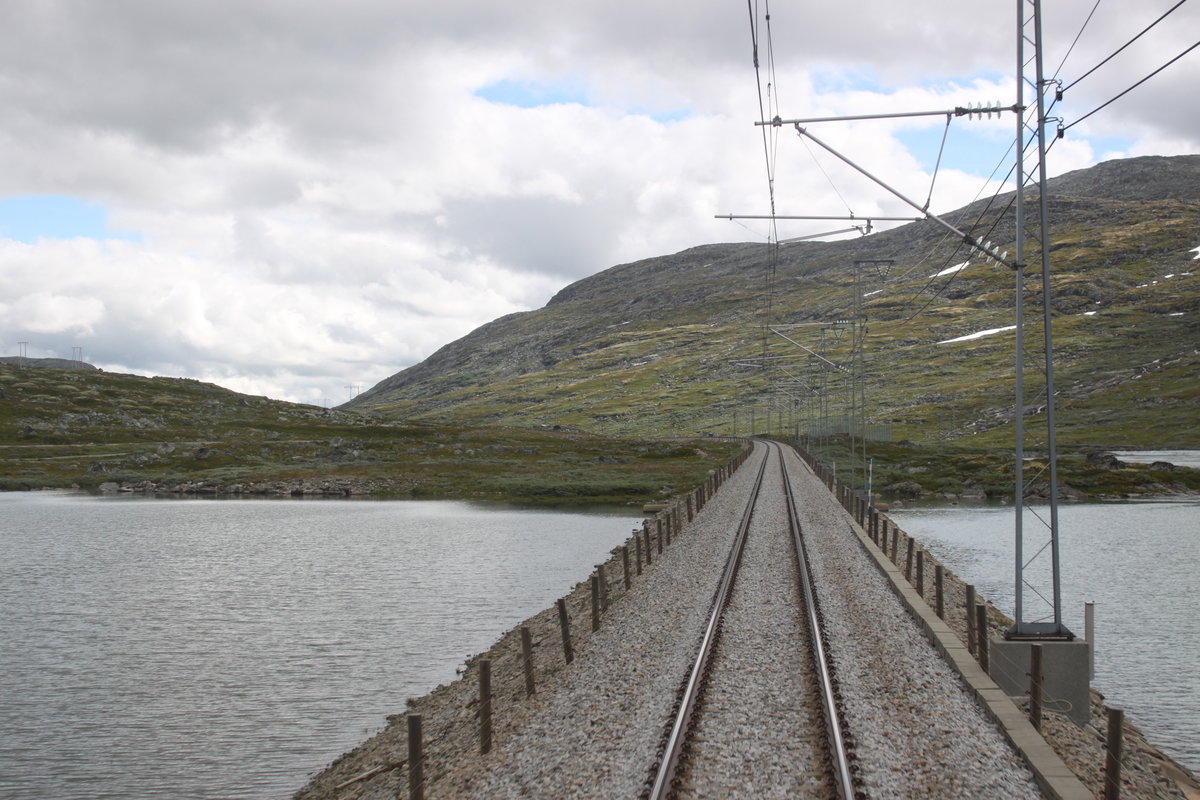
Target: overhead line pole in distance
x=1021, y=628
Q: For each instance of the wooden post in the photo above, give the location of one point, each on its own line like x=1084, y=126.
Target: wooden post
x=660, y=540
x=603, y=588
x=970, y=605
x=527, y=659
x=646, y=533
x=637, y=541
x=665, y=529
x=908, y=559
x=485, y=706
x=921, y=572
x=564, y=625
x=689, y=506
x=981, y=628
x=1035, y=686
x=895, y=545
x=1112, y=760
x=939, y=574
x=595, y=602
x=625, y=564
x=416, y=760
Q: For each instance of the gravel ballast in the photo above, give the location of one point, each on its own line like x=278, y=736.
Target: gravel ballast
x=917, y=731
x=594, y=727
x=760, y=731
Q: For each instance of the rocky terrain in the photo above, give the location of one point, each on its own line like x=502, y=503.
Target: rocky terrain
x=125, y=433
x=668, y=343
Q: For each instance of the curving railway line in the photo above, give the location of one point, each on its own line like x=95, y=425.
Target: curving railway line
x=758, y=714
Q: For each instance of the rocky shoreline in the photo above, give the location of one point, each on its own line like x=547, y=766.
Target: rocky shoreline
x=297, y=488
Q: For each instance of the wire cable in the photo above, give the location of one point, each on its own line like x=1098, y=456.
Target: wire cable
x=832, y=185
x=1076, y=41
x=1167, y=13
x=1112, y=100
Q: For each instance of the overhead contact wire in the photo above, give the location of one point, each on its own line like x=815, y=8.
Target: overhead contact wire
x=1111, y=55
x=1082, y=28
x=1112, y=100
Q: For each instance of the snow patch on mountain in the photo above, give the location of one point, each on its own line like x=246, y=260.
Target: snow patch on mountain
x=978, y=334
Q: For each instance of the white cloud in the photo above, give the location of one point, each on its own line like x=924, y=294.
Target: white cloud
x=322, y=198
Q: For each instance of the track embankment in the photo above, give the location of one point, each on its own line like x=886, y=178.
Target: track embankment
x=598, y=719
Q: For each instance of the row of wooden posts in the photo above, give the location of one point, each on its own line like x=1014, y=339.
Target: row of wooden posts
x=887, y=536
x=641, y=548
x=899, y=546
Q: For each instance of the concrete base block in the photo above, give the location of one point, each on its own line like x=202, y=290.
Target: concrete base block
x=1066, y=688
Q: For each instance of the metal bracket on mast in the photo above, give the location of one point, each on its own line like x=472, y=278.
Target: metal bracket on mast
x=958, y=111
x=969, y=240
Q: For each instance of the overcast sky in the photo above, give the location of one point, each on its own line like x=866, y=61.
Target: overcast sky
x=289, y=197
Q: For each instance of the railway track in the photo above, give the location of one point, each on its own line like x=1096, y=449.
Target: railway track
x=758, y=713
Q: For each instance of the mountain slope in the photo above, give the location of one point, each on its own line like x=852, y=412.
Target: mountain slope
x=103, y=430
x=660, y=346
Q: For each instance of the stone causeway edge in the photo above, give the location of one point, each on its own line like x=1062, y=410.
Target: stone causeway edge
x=1051, y=772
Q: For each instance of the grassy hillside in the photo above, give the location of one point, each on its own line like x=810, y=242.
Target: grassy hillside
x=717, y=341
x=1126, y=339
x=694, y=343
x=60, y=428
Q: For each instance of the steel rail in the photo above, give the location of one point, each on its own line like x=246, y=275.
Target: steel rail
x=666, y=777
x=833, y=727
x=669, y=766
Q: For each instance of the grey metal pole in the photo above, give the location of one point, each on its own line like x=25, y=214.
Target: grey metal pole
x=1019, y=415
x=1047, y=309
x=966, y=238
x=1089, y=633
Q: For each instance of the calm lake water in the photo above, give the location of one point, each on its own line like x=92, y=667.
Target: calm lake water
x=232, y=648
x=1137, y=561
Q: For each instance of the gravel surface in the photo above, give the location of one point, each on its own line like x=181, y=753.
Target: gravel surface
x=595, y=726
x=760, y=730
x=916, y=729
